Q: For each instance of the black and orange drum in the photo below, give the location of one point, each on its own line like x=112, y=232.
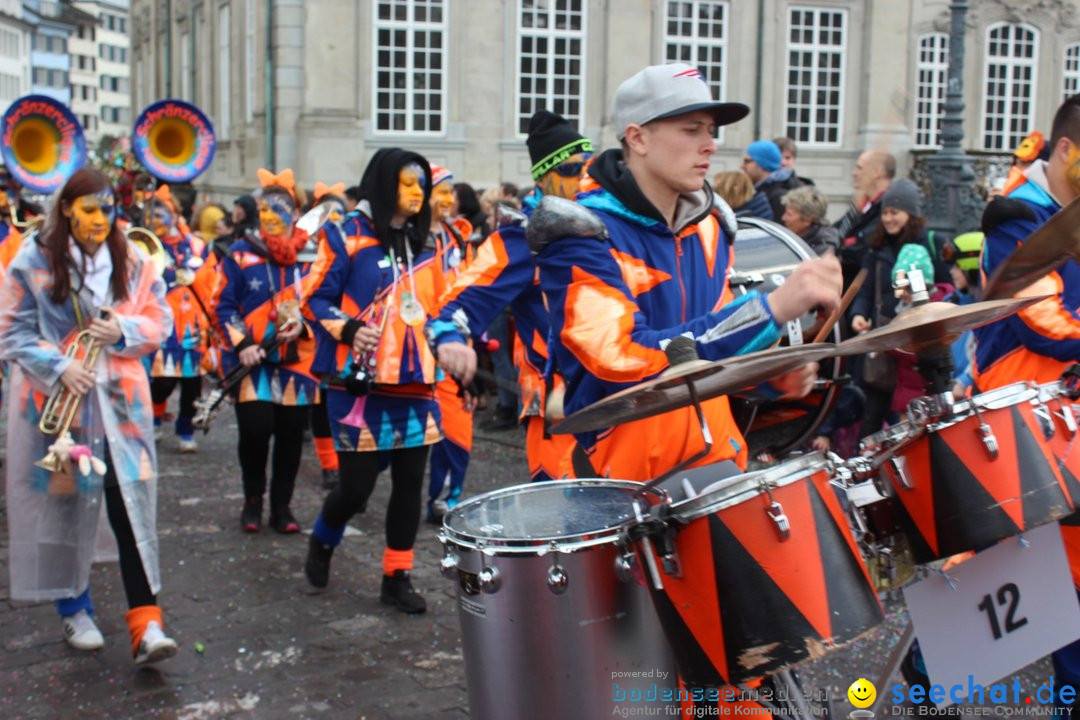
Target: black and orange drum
x=765, y=254
x=760, y=572
x=993, y=467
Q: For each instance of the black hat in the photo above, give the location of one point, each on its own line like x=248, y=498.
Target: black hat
x=551, y=140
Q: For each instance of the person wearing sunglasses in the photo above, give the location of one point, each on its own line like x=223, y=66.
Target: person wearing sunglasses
x=504, y=273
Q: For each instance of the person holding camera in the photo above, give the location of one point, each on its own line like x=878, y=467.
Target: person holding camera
x=369, y=294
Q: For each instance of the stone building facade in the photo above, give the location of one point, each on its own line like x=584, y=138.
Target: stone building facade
x=456, y=79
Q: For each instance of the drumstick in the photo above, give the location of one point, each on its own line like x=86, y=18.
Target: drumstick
x=842, y=307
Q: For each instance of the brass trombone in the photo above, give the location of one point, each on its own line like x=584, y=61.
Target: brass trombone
x=63, y=405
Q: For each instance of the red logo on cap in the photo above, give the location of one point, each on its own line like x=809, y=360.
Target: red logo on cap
x=692, y=72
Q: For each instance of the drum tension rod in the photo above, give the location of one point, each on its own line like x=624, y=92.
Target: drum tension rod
x=776, y=512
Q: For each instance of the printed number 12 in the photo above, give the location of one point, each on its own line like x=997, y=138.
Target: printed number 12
x=1007, y=594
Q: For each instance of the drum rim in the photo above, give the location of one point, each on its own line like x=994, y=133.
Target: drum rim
x=558, y=543
x=741, y=488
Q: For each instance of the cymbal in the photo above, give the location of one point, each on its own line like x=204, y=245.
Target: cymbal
x=935, y=323
x=1046, y=249
x=670, y=390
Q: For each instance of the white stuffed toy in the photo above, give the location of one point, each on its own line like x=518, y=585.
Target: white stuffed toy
x=67, y=451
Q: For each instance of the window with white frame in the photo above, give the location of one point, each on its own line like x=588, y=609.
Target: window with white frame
x=1012, y=52
x=932, y=74
x=224, y=75
x=1072, y=70
x=249, y=60
x=695, y=33
x=410, y=66
x=551, y=60
x=814, y=87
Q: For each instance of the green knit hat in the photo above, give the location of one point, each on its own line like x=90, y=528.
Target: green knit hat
x=914, y=254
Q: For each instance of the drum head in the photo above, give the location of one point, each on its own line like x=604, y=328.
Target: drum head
x=572, y=514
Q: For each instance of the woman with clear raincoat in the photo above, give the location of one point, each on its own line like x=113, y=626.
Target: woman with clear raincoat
x=81, y=273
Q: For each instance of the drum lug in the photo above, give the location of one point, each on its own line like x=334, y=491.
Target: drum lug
x=783, y=525
x=557, y=579
x=449, y=565
x=669, y=556
x=1046, y=420
x=624, y=566
x=986, y=434
x=489, y=579
x=899, y=468
x=1067, y=417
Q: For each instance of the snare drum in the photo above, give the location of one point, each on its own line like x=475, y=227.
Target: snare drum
x=761, y=572
x=989, y=471
x=555, y=620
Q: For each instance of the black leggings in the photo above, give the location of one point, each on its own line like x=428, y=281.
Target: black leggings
x=320, y=421
x=359, y=471
x=162, y=387
x=136, y=586
x=257, y=422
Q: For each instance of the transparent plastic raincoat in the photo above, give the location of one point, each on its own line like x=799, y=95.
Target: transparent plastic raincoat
x=53, y=518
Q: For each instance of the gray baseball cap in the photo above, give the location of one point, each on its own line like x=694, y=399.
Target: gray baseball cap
x=664, y=91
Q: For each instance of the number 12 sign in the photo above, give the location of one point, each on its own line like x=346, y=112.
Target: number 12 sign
x=1012, y=604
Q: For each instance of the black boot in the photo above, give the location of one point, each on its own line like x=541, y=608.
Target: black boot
x=282, y=521
x=251, y=515
x=317, y=566
x=397, y=590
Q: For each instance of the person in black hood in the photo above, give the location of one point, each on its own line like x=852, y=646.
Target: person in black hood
x=379, y=186
x=374, y=287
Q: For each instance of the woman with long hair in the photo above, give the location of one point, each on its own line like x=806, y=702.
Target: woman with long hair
x=370, y=294
x=81, y=273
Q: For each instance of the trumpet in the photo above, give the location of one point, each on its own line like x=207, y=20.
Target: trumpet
x=63, y=405
x=31, y=224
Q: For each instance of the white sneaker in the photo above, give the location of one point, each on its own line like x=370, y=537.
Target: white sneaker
x=159, y=432
x=155, y=645
x=81, y=632
x=188, y=446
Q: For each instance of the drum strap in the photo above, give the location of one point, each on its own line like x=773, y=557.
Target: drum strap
x=583, y=467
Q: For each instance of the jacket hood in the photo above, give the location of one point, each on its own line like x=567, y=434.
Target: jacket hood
x=379, y=186
x=624, y=198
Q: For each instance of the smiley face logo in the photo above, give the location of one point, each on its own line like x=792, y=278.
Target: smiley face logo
x=862, y=693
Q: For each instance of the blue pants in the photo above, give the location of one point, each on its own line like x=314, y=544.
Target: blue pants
x=449, y=462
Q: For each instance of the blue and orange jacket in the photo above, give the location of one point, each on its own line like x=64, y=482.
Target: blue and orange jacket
x=352, y=284
x=616, y=302
x=502, y=273
x=10, y=242
x=181, y=355
x=252, y=292
x=1040, y=342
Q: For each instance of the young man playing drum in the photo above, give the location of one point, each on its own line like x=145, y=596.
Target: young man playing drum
x=1038, y=343
x=661, y=272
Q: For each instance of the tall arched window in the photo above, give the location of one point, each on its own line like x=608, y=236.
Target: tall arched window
x=1012, y=54
x=931, y=71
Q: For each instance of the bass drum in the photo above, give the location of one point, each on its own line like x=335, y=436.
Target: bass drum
x=765, y=254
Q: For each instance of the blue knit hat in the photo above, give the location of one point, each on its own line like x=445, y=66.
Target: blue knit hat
x=765, y=154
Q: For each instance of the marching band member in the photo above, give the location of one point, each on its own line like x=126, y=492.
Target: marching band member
x=379, y=277
x=257, y=306
x=449, y=458
x=503, y=273
x=83, y=274
x=190, y=282
x=662, y=272
x=1038, y=343
x=334, y=197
